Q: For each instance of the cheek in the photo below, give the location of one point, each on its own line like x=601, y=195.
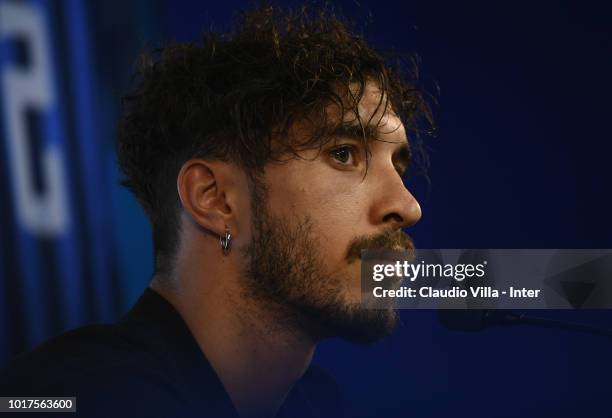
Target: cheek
x=313, y=186
x=341, y=210
x=332, y=199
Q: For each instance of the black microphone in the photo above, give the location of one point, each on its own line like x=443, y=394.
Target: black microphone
x=472, y=320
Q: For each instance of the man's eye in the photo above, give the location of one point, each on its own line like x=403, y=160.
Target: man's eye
x=344, y=154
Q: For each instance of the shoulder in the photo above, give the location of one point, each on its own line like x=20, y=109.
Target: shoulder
x=91, y=350
x=107, y=372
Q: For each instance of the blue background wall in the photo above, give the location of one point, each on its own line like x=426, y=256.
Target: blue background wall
x=521, y=160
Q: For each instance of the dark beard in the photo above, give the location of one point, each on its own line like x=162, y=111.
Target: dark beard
x=285, y=274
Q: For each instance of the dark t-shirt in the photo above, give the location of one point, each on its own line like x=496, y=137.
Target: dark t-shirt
x=146, y=365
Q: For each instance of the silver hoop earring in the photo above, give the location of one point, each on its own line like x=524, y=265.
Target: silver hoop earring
x=226, y=241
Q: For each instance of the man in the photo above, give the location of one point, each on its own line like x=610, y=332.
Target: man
x=266, y=159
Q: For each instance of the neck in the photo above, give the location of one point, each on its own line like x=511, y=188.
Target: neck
x=257, y=360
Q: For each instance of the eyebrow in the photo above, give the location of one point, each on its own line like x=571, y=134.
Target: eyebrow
x=402, y=154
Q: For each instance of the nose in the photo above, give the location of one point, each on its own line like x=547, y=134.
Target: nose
x=395, y=207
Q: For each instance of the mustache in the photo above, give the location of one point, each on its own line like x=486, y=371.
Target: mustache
x=389, y=240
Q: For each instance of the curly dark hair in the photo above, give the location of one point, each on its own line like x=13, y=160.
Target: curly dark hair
x=234, y=97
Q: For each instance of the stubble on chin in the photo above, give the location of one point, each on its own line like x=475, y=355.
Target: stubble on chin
x=285, y=276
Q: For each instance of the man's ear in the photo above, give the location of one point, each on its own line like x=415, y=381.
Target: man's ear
x=203, y=189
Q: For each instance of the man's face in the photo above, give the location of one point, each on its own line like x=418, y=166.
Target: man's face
x=312, y=215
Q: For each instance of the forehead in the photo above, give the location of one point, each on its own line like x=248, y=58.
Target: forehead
x=375, y=113
x=364, y=114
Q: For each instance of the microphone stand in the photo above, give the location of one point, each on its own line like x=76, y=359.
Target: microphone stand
x=510, y=318
x=471, y=320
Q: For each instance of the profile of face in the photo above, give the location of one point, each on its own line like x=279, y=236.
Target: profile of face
x=312, y=215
